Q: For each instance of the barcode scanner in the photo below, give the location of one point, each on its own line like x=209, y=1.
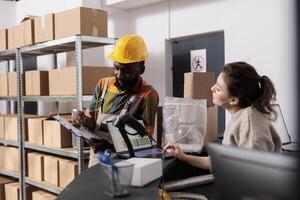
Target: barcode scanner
x=127, y=119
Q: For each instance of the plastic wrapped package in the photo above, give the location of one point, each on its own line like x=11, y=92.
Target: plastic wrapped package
x=185, y=122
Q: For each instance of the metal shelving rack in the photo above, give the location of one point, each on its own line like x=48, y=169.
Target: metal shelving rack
x=9, y=173
x=9, y=142
x=43, y=185
x=73, y=43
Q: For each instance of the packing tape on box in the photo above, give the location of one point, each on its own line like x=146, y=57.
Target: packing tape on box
x=43, y=22
x=94, y=20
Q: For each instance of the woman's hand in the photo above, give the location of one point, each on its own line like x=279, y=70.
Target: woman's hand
x=175, y=151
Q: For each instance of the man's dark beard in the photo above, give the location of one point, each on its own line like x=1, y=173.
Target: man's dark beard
x=126, y=85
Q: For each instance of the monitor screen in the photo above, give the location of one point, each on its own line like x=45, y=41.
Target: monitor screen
x=242, y=174
x=137, y=141
x=280, y=126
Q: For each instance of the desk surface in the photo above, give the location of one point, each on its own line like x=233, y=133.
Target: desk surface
x=92, y=184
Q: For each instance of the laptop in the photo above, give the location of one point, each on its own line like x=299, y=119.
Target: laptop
x=280, y=127
x=142, y=146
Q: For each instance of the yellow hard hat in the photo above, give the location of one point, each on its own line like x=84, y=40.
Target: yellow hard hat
x=129, y=49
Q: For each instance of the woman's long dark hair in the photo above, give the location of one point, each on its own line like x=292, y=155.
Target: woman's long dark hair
x=244, y=82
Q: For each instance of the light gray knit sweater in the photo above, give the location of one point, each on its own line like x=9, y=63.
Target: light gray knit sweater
x=248, y=128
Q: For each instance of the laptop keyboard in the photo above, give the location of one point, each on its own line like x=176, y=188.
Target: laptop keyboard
x=145, y=153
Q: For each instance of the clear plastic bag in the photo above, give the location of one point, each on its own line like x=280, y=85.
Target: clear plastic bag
x=184, y=122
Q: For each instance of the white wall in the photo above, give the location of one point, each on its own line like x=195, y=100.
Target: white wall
x=7, y=14
x=260, y=32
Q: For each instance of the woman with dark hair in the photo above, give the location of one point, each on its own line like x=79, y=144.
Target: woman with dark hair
x=247, y=97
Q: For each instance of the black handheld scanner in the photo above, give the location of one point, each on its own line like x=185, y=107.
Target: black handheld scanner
x=127, y=119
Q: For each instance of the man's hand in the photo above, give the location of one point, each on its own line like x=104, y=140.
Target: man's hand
x=86, y=121
x=50, y=115
x=78, y=119
x=100, y=145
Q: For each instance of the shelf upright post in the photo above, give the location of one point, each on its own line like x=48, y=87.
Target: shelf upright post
x=78, y=55
x=20, y=124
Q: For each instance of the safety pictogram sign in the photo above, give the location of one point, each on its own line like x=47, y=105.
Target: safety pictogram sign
x=198, y=60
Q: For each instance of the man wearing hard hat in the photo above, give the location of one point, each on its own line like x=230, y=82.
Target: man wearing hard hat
x=126, y=92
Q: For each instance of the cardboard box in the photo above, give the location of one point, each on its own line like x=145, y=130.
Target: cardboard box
x=80, y=21
x=51, y=170
x=3, y=181
x=3, y=85
x=3, y=40
x=145, y=170
x=24, y=34
x=12, y=83
x=55, y=135
x=212, y=125
x=2, y=157
x=2, y=136
x=12, y=191
x=68, y=170
x=11, y=127
x=35, y=130
x=11, y=159
x=35, y=166
x=37, y=83
x=42, y=195
x=44, y=28
x=11, y=37
x=63, y=81
x=197, y=85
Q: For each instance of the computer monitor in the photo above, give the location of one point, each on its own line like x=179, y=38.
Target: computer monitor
x=242, y=174
x=280, y=126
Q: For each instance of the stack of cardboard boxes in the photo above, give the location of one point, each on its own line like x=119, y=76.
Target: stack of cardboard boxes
x=52, y=170
x=36, y=29
x=33, y=29
x=49, y=133
x=11, y=126
x=60, y=82
x=197, y=85
x=9, y=190
x=8, y=84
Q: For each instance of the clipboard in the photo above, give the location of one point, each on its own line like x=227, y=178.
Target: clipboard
x=79, y=132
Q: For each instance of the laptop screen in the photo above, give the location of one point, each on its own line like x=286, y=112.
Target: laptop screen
x=280, y=125
x=137, y=141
